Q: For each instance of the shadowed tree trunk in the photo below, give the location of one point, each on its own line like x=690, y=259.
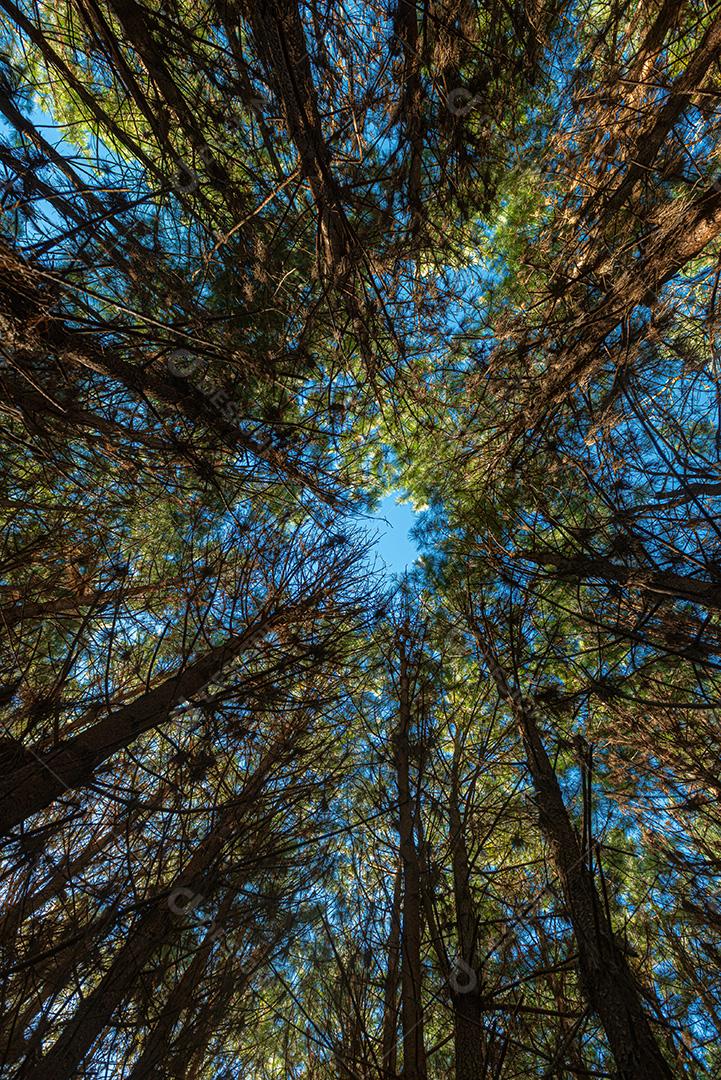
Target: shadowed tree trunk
x=466, y=999
x=158, y=925
x=606, y=978
x=280, y=39
x=659, y=583
x=155, y=1046
x=389, y=1042
x=414, y=1054
x=72, y=765
x=26, y=906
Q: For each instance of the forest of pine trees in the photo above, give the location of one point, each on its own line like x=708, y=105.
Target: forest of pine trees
x=269, y=811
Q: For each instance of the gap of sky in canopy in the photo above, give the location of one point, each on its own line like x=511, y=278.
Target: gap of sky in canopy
x=392, y=522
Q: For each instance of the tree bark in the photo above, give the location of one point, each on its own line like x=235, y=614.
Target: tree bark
x=280, y=41
x=663, y=583
x=154, y=928
x=606, y=978
x=467, y=1029
x=72, y=765
x=24, y=908
x=389, y=1042
x=414, y=1054
x=155, y=1045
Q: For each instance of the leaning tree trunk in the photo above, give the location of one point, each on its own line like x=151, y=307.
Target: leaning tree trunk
x=27, y=905
x=606, y=978
x=194, y=1038
x=49, y=976
x=155, y=927
x=72, y=765
x=280, y=41
x=155, y=1045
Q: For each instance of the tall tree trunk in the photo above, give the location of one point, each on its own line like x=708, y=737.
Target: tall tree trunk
x=138, y=28
x=414, y=1054
x=406, y=24
x=467, y=1029
x=661, y=584
x=49, y=976
x=70, y=604
x=189, y=1053
x=20, y=294
x=678, y=99
x=155, y=1045
x=606, y=979
x=280, y=41
x=389, y=1041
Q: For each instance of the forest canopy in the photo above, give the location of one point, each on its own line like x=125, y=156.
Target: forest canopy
x=267, y=811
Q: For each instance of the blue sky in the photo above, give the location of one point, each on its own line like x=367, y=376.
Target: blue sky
x=392, y=522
